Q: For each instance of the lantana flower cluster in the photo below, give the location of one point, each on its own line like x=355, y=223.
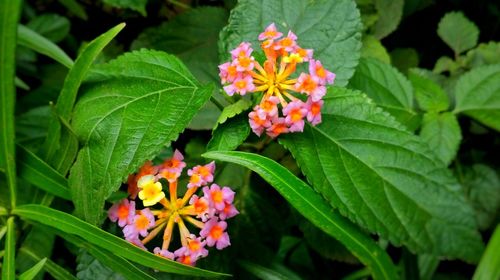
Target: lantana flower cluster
x=205, y=214
x=244, y=74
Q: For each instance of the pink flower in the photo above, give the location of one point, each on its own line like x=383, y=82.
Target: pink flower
x=244, y=63
x=241, y=85
x=164, y=253
x=314, y=111
x=201, y=175
x=257, y=123
x=135, y=241
x=295, y=112
x=228, y=72
x=243, y=49
x=123, y=212
x=278, y=127
x=140, y=225
x=217, y=197
x=196, y=247
x=214, y=232
x=270, y=33
x=229, y=211
x=268, y=107
x=317, y=70
x=172, y=168
x=306, y=54
x=310, y=85
x=288, y=43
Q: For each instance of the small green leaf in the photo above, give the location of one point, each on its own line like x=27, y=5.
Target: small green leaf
x=478, y=95
x=36, y=42
x=442, y=133
x=458, y=32
x=404, y=59
x=489, y=266
x=446, y=64
x=51, y=26
x=51, y=267
x=32, y=272
x=266, y=273
x=141, y=101
x=37, y=172
x=94, y=235
x=314, y=208
x=38, y=240
x=331, y=28
x=430, y=96
x=483, y=191
x=9, y=15
x=385, y=178
x=233, y=110
x=74, y=7
x=21, y=84
x=387, y=87
x=9, y=258
x=230, y=135
x=136, y=5
x=372, y=47
x=484, y=54
x=390, y=13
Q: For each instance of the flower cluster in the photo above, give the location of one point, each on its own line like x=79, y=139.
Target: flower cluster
x=246, y=75
x=207, y=213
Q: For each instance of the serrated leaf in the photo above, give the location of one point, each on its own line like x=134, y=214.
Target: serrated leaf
x=404, y=59
x=140, y=102
x=387, y=87
x=136, y=5
x=51, y=26
x=230, y=135
x=458, y=32
x=442, y=133
x=385, y=178
x=484, y=54
x=70, y=225
x=429, y=94
x=390, y=13
x=477, y=95
x=372, y=47
x=314, y=208
x=483, y=191
x=233, y=110
x=331, y=28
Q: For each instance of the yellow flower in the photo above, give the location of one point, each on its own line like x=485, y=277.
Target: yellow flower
x=151, y=191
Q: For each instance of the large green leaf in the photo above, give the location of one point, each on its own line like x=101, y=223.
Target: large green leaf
x=140, y=102
x=385, y=178
x=390, y=13
x=477, y=95
x=387, y=87
x=310, y=204
x=9, y=16
x=331, y=28
x=9, y=257
x=458, y=32
x=489, y=267
x=71, y=225
x=442, y=133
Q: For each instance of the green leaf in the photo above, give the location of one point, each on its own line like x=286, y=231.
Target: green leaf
x=314, y=208
x=51, y=267
x=233, y=110
x=51, y=26
x=9, y=258
x=36, y=42
x=458, y=32
x=37, y=172
x=442, y=133
x=136, y=5
x=484, y=54
x=387, y=87
x=331, y=28
x=74, y=7
x=429, y=94
x=141, y=101
x=90, y=268
x=489, y=266
x=478, y=95
x=96, y=236
x=230, y=135
x=38, y=240
x=21, y=84
x=427, y=265
x=31, y=127
x=483, y=191
x=266, y=273
x=32, y=272
x=446, y=64
x=372, y=47
x=9, y=15
x=390, y=13
x=404, y=59
x=385, y=178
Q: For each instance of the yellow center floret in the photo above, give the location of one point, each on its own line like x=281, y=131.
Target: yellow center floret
x=151, y=191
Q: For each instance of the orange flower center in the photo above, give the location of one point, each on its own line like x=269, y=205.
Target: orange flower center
x=320, y=71
x=315, y=109
x=200, y=206
x=279, y=128
x=122, y=211
x=142, y=222
x=194, y=245
x=216, y=232
x=296, y=115
x=241, y=84
x=217, y=196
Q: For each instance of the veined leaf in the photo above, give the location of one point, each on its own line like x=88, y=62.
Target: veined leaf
x=9, y=258
x=390, y=13
x=331, y=28
x=141, y=101
x=489, y=266
x=40, y=174
x=229, y=135
x=32, y=272
x=310, y=204
x=72, y=225
x=429, y=94
x=478, y=95
x=442, y=133
x=387, y=87
x=458, y=32
x=385, y=178
x=40, y=44
x=9, y=15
